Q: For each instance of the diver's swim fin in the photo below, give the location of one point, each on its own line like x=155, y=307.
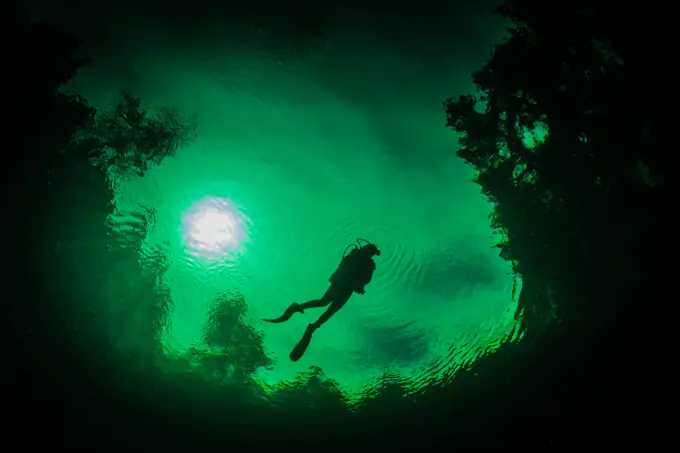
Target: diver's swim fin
x=290, y=311
x=301, y=347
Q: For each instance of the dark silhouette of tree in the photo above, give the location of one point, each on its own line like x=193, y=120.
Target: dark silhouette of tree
x=38, y=59
x=129, y=139
x=576, y=207
x=42, y=294
x=57, y=203
x=241, y=346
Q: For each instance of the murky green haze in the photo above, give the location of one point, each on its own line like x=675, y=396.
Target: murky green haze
x=296, y=157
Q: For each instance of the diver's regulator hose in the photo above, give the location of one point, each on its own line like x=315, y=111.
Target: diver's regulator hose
x=359, y=241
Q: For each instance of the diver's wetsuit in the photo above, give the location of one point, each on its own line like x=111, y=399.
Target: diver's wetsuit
x=352, y=275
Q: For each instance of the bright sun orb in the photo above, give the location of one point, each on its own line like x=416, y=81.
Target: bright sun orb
x=212, y=225
x=213, y=228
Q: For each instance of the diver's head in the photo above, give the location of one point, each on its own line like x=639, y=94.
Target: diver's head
x=371, y=250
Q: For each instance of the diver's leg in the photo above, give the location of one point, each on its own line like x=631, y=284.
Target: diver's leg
x=339, y=298
x=325, y=300
x=300, y=308
x=316, y=303
x=337, y=304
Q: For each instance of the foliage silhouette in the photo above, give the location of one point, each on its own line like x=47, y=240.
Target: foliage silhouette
x=129, y=139
x=575, y=206
x=242, y=347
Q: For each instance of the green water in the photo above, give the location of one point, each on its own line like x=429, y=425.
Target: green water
x=266, y=228
x=285, y=173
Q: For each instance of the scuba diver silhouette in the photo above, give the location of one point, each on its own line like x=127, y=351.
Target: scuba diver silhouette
x=352, y=275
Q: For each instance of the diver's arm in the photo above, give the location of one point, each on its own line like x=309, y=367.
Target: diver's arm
x=365, y=280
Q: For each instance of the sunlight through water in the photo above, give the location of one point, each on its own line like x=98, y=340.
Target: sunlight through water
x=436, y=291
x=212, y=227
x=283, y=176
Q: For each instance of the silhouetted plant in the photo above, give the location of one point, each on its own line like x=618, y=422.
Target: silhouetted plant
x=129, y=139
x=241, y=346
x=546, y=135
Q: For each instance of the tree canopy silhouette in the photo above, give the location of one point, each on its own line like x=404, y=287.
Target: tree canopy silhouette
x=241, y=345
x=567, y=143
x=129, y=139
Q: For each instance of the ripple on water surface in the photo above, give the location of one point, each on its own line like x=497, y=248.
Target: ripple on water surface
x=274, y=234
